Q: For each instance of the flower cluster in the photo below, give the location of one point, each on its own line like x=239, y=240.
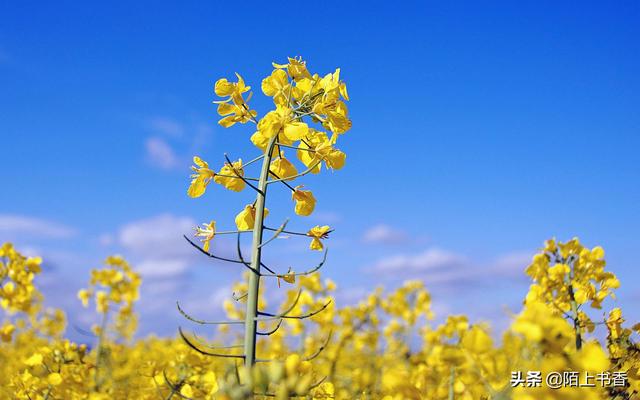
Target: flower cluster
x=310, y=114
x=17, y=292
x=114, y=288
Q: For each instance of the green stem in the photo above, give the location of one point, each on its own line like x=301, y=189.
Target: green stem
x=452, y=378
x=100, y=351
x=250, y=324
x=574, y=305
x=576, y=318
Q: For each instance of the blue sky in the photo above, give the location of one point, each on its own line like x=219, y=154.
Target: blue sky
x=479, y=131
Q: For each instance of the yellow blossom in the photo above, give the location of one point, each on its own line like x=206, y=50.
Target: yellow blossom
x=6, y=332
x=305, y=201
x=297, y=68
x=283, y=168
x=84, y=295
x=277, y=86
x=54, y=379
x=34, y=360
x=234, y=109
x=246, y=219
x=199, y=181
x=206, y=232
x=229, y=176
x=317, y=233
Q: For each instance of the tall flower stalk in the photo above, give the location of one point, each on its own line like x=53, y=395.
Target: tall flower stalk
x=309, y=116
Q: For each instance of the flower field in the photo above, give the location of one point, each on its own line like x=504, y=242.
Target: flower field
x=562, y=344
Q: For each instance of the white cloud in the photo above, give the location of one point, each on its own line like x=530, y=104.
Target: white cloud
x=158, y=237
x=512, y=264
x=429, y=260
x=452, y=271
x=158, y=245
x=384, y=234
x=158, y=249
x=351, y=295
x=160, y=154
x=18, y=225
x=167, y=126
x=162, y=269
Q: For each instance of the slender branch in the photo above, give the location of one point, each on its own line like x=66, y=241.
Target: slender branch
x=277, y=316
x=199, y=350
x=219, y=258
x=290, y=308
x=271, y=332
x=296, y=148
x=255, y=121
x=238, y=298
x=237, y=177
x=311, y=357
x=283, y=180
x=277, y=233
x=309, y=272
x=172, y=386
x=231, y=232
x=247, y=264
x=84, y=332
x=294, y=233
x=254, y=160
x=292, y=177
x=203, y=322
x=320, y=349
x=242, y=177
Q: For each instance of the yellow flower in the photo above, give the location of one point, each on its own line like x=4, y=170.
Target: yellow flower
x=591, y=358
x=289, y=277
x=206, y=232
x=279, y=122
x=305, y=202
x=6, y=332
x=210, y=381
x=234, y=109
x=277, y=86
x=84, y=295
x=316, y=148
x=228, y=176
x=318, y=232
x=296, y=68
x=201, y=178
x=283, y=168
x=186, y=391
x=224, y=88
x=34, y=360
x=54, y=379
x=477, y=341
x=246, y=219
x=102, y=302
x=233, y=114
x=614, y=323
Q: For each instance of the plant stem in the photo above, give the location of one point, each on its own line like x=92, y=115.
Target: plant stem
x=576, y=318
x=452, y=378
x=574, y=304
x=100, y=352
x=250, y=324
